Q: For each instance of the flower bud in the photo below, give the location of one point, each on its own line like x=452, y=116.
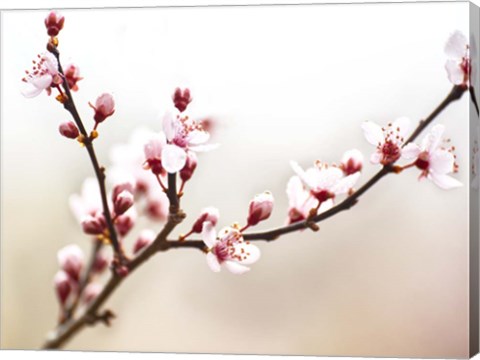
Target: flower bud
x=157, y=207
x=123, y=202
x=69, y=130
x=72, y=75
x=125, y=223
x=104, y=107
x=62, y=285
x=145, y=239
x=260, y=208
x=54, y=23
x=92, y=290
x=181, y=99
x=190, y=166
x=118, y=188
x=94, y=225
x=210, y=214
x=100, y=263
x=352, y=162
x=70, y=259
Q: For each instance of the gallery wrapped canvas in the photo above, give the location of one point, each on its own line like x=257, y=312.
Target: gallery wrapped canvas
x=277, y=179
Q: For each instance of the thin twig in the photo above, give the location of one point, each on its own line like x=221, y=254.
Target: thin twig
x=69, y=105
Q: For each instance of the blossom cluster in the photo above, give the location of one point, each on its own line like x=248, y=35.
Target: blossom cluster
x=140, y=168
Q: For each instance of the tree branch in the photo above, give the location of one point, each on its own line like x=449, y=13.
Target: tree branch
x=69, y=105
x=65, y=331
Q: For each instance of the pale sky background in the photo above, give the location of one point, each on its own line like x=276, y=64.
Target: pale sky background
x=388, y=278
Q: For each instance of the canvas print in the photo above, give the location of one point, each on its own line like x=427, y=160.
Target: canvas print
x=288, y=180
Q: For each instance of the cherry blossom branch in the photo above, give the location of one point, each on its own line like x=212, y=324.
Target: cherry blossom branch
x=69, y=105
x=91, y=316
x=474, y=99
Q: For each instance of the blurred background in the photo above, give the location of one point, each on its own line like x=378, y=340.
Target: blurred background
x=388, y=278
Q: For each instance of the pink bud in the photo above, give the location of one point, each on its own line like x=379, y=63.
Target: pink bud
x=101, y=262
x=157, y=207
x=123, y=202
x=190, y=166
x=122, y=271
x=124, y=224
x=104, y=107
x=260, y=208
x=72, y=75
x=70, y=259
x=352, y=162
x=94, y=225
x=146, y=238
x=181, y=99
x=118, y=188
x=62, y=285
x=54, y=23
x=69, y=130
x=92, y=291
x=210, y=214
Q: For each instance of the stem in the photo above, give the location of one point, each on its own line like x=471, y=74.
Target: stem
x=65, y=331
x=69, y=105
x=474, y=99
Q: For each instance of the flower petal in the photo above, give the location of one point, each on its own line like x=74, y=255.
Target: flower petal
x=169, y=125
x=31, y=91
x=444, y=181
x=173, y=158
x=456, y=45
x=42, y=82
x=441, y=162
x=345, y=184
x=411, y=151
x=212, y=262
x=403, y=123
x=209, y=235
x=235, y=268
x=306, y=179
x=204, y=148
x=455, y=73
x=250, y=251
x=376, y=157
x=326, y=205
x=373, y=133
x=431, y=141
x=197, y=137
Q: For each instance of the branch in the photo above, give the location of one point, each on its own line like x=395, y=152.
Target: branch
x=64, y=332
x=69, y=105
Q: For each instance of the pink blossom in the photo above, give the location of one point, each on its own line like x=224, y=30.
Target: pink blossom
x=388, y=140
x=72, y=75
x=70, y=259
x=145, y=238
x=352, y=162
x=325, y=182
x=54, y=23
x=104, y=107
x=94, y=224
x=153, y=153
x=125, y=222
x=157, y=204
x=101, y=262
x=183, y=134
x=434, y=161
x=228, y=249
x=260, y=208
x=62, y=286
x=122, y=202
x=91, y=292
x=69, y=130
x=301, y=202
x=209, y=214
x=458, y=66
x=181, y=99
x=43, y=76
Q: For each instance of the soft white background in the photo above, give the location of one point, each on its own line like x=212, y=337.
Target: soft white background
x=247, y=67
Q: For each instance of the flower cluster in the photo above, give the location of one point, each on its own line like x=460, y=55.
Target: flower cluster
x=68, y=279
